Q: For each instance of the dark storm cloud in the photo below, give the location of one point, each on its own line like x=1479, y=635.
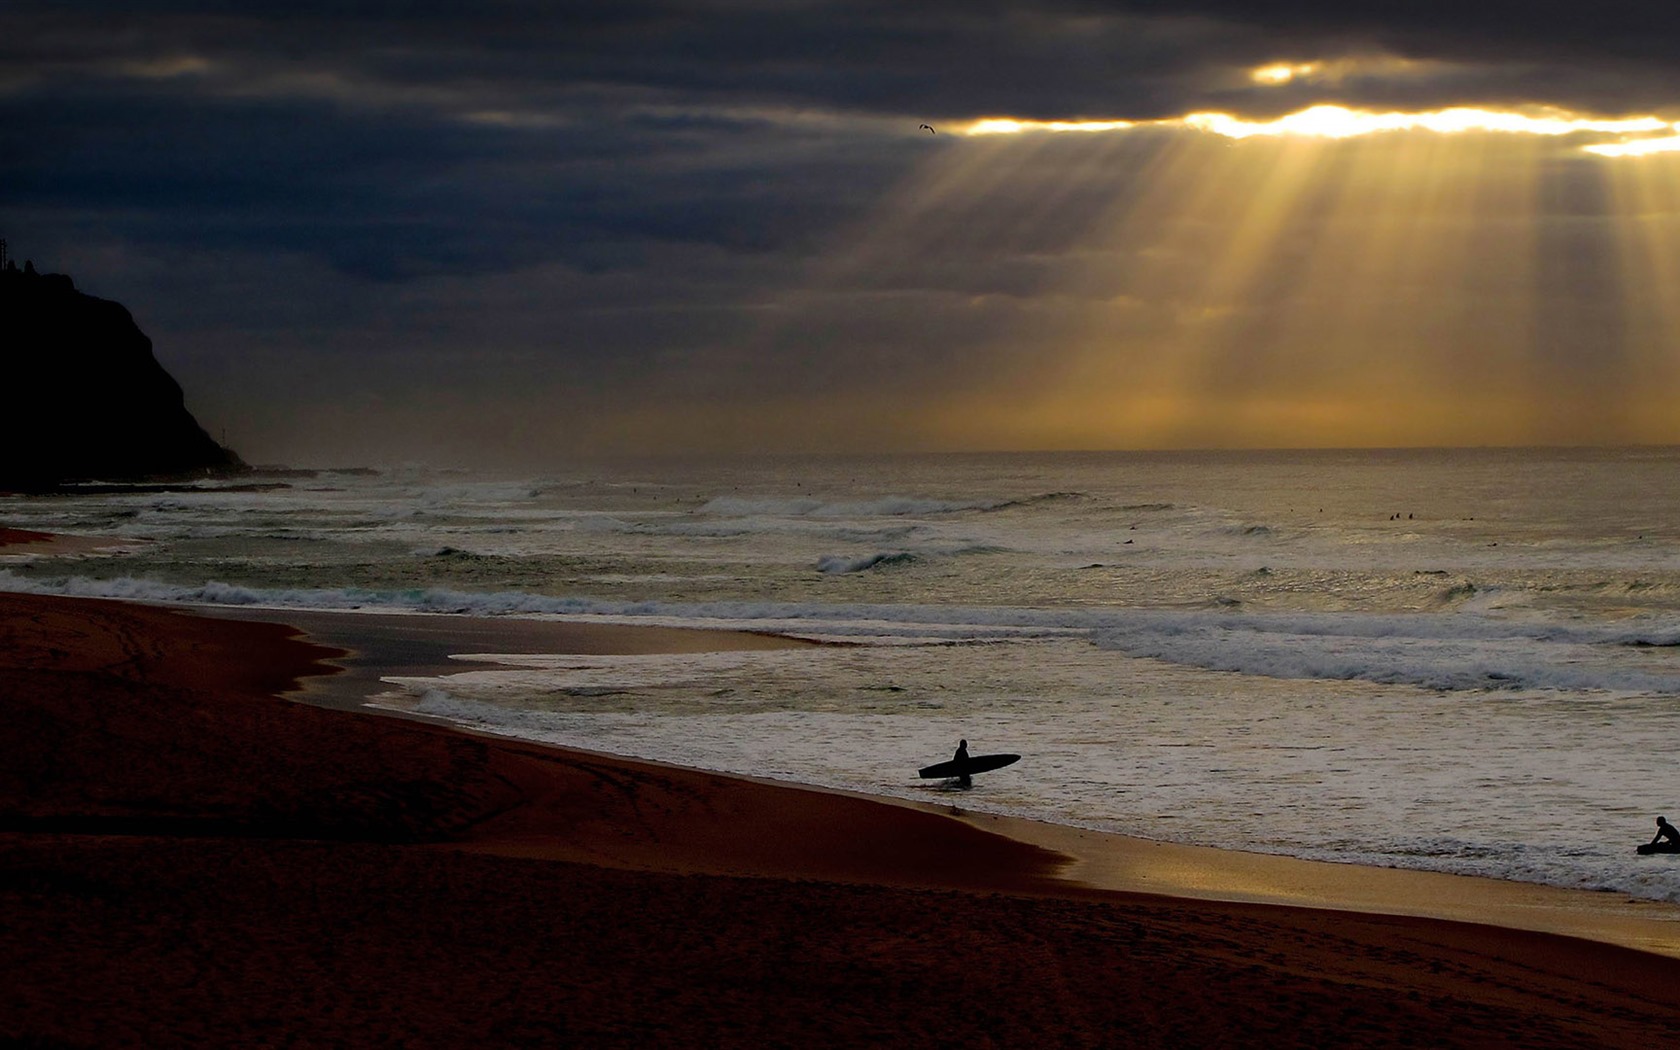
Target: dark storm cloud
x=1477, y=31
x=364, y=185
x=370, y=127
x=1609, y=57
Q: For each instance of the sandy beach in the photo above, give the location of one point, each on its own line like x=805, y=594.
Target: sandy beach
x=193, y=858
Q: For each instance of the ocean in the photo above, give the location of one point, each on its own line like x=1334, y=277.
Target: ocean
x=1459, y=660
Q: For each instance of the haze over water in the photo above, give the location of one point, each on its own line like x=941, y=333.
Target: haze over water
x=1460, y=660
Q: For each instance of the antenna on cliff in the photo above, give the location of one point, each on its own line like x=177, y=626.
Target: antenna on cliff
x=3, y=256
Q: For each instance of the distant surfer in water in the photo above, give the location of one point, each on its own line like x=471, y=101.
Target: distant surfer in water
x=962, y=756
x=1665, y=830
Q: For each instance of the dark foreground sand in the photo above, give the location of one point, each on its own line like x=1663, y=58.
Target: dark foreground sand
x=186, y=859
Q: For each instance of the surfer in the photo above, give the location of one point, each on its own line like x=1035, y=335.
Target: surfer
x=962, y=766
x=1665, y=830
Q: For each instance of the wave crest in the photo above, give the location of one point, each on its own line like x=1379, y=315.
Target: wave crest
x=839, y=564
x=1454, y=649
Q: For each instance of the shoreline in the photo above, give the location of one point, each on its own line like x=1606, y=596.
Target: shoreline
x=191, y=856
x=369, y=645
x=1090, y=860
x=1095, y=859
x=382, y=643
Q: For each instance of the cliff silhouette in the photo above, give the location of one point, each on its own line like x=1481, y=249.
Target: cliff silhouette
x=88, y=400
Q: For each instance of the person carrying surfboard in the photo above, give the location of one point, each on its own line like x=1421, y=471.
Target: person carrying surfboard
x=961, y=766
x=1665, y=830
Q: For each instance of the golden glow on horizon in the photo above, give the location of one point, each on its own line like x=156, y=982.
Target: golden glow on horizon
x=1342, y=122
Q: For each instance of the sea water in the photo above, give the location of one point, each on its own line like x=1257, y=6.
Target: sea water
x=1466, y=661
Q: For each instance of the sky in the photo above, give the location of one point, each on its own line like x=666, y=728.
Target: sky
x=520, y=233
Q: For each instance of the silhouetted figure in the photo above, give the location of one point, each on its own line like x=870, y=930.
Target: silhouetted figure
x=961, y=766
x=1665, y=830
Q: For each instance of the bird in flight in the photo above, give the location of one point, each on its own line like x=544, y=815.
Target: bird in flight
x=930, y=130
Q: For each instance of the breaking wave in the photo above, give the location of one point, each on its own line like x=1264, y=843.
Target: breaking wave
x=1445, y=651
x=1043, y=497
x=838, y=564
x=890, y=506
x=885, y=507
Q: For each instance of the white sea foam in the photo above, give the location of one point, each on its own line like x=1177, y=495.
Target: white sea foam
x=1463, y=652
x=891, y=506
x=1449, y=652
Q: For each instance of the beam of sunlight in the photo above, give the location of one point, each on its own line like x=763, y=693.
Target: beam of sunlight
x=1636, y=148
x=1646, y=202
x=1455, y=280
x=1405, y=289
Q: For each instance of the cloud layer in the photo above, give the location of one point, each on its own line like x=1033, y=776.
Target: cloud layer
x=519, y=229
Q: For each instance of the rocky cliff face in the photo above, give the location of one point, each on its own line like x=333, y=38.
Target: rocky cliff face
x=83, y=396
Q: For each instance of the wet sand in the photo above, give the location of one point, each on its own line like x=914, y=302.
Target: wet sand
x=188, y=859
x=422, y=645
x=26, y=543
x=377, y=645
x=18, y=537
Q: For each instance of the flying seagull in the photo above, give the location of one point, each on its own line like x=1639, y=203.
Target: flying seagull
x=930, y=130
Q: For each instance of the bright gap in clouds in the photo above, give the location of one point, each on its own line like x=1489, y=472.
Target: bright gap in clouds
x=1632, y=134
x=1284, y=72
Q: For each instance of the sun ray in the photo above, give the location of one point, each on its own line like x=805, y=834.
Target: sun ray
x=1646, y=197
x=1335, y=278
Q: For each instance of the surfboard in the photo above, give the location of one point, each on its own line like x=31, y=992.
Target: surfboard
x=1648, y=848
x=974, y=764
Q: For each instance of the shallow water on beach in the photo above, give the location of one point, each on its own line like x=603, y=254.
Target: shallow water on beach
x=1463, y=661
